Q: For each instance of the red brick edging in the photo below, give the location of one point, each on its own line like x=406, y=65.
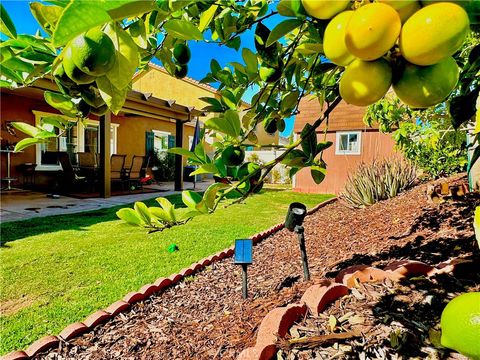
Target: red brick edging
x=317, y=297
x=101, y=316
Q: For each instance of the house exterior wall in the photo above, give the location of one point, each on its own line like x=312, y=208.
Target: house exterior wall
x=186, y=92
x=374, y=146
x=130, y=134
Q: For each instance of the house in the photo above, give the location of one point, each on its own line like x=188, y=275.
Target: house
x=127, y=132
x=156, y=81
x=353, y=143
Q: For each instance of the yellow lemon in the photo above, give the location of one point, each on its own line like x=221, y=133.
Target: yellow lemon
x=434, y=33
x=425, y=86
x=324, y=9
x=460, y=324
x=365, y=82
x=372, y=30
x=405, y=8
x=334, y=40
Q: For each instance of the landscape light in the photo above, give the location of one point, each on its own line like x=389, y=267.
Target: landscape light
x=243, y=256
x=294, y=222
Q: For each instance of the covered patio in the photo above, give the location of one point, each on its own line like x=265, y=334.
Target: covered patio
x=129, y=133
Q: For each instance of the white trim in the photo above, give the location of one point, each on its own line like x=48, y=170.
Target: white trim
x=80, y=138
x=338, y=151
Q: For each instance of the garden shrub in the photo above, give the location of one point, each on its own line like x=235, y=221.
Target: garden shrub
x=377, y=181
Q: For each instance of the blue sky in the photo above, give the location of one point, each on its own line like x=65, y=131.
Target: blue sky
x=202, y=53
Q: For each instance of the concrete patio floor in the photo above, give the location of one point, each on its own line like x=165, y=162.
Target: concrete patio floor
x=25, y=204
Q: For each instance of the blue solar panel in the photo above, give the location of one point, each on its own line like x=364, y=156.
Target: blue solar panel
x=243, y=251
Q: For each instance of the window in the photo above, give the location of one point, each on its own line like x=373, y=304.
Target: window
x=348, y=143
x=83, y=137
x=160, y=141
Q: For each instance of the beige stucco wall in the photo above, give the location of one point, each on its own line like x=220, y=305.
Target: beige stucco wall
x=185, y=92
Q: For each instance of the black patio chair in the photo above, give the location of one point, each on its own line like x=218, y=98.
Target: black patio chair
x=69, y=176
x=117, y=169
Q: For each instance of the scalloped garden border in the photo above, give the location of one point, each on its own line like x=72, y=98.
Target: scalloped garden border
x=316, y=298
x=101, y=316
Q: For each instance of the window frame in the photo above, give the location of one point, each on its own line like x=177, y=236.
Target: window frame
x=80, y=138
x=338, y=136
x=160, y=133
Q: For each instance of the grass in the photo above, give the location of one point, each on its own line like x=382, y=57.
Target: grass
x=57, y=270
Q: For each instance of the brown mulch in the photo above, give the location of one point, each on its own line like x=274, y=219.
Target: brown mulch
x=205, y=317
x=382, y=321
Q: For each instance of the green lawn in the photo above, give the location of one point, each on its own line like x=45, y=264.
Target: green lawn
x=57, y=270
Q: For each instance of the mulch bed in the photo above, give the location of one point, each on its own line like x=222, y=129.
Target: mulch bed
x=205, y=317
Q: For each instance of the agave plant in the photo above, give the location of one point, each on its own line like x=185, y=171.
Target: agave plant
x=377, y=181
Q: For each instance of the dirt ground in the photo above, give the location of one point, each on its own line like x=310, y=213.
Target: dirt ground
x=205, y=317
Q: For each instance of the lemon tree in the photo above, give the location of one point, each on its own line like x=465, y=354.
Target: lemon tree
x=329, y=50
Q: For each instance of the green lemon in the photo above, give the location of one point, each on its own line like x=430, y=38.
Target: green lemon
x=247, y=169
x=460, y=325
x=425, y=86
x=92, y=97
x=93, y=52
x=233, y=155
x=84, y=108
x=181, y=54
x=73, y=72
x=181, y=71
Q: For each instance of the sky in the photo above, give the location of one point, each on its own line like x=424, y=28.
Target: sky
x=202, y=53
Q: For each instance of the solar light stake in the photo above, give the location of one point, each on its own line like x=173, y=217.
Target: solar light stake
x=244, y=281
x=295, y=216
x=303, y=251
x=243, y=256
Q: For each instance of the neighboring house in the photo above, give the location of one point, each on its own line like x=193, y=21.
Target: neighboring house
x=129, y=130
x=353, y=143
x=156, y=81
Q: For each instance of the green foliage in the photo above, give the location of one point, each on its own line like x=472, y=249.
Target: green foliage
x=378, y=181
x=426, y=137
x=287, y=64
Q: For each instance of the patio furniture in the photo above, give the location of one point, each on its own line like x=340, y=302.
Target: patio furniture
x=8, y=179
x=87, y=165
x=134, y=173
x=28, y=173
x=68, y=174
x=117, y=169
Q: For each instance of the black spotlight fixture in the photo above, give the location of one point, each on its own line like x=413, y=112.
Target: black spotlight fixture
x=294, y=222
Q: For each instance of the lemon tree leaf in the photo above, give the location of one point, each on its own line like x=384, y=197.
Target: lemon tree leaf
x=61, y=102
x=26, y=128
x=185, y=214
x=167, y=207
x=250, y=60
x=159, y=213
x=228, y=124
x=182, y=29
x=205, y=169
x=24, y=143
x=142, y=210
x=46, y=16
x=318, y=173
x=282, y=29
x=113, y=97
x=191, y=198
x=309, y=48
x=126, y=55
x=78, y=17
x=130, y=216
x=207, y=17
x=211, y=193
x=476, y=224
x=6, y=24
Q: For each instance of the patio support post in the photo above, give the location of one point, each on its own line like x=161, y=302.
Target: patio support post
x=104, y=166
x=178, y=158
